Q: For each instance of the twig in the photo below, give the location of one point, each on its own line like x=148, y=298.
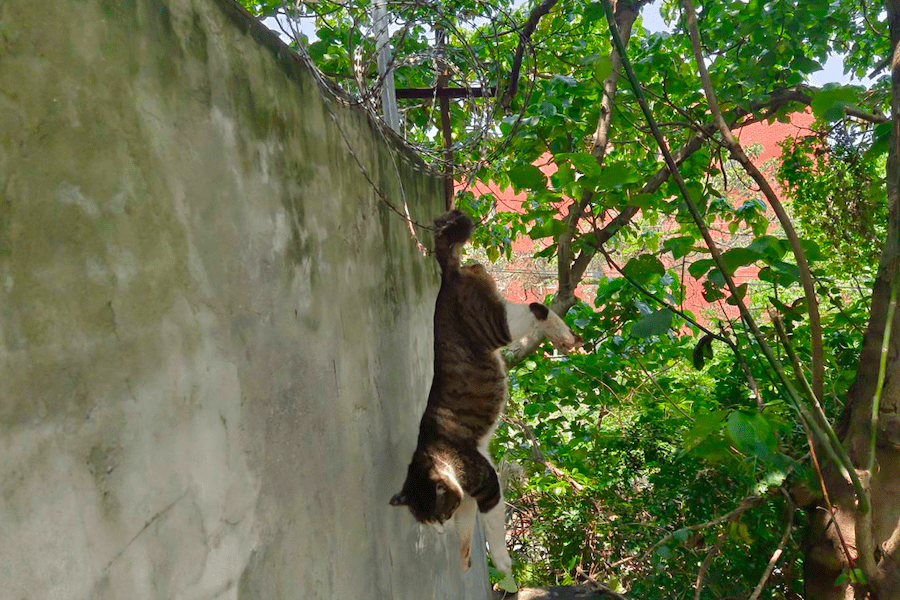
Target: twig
x=875, y=118
x=792, y=393
x=882, y=368
x=817, y=420
x=538, y=455
x=745, y=504
x=599, y=586
x=704, y=566
x=789, y=510
x=659, y=300
x=737, y=152
x=751, y=381
x=662, y=391
x=865, y=542
x=524, y=38
x=821, y=478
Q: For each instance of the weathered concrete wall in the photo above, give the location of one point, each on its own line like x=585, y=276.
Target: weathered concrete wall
x=215, y=340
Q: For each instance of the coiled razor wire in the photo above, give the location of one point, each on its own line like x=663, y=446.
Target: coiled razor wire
x=410, y=22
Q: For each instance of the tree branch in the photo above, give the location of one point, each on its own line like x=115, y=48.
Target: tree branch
x=737, y=152
x=570, y=275
x=524, y=37
x=745, y=504
x=748, y=319
x=704, y=567
x=561, y=304
x=789, y=509
x=538, y=456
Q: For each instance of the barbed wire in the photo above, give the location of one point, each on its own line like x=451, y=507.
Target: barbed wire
x=472, y=59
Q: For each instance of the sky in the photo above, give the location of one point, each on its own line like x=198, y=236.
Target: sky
x=833, y=71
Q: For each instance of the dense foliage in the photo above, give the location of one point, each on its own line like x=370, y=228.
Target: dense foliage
x=669, y=459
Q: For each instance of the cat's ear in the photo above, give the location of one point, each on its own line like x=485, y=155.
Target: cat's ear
x=399, y=500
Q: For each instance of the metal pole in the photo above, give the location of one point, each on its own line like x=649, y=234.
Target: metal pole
x=383, y=49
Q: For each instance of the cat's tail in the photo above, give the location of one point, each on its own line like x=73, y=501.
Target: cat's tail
x=451, y=231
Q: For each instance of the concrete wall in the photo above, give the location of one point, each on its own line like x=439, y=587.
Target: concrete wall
x=215, y=340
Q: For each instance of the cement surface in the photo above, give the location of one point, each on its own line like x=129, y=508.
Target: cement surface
x=215, y=337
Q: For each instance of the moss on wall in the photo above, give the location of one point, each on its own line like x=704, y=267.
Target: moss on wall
x=214, y=336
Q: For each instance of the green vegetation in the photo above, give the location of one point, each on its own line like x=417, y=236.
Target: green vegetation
x=686, y=452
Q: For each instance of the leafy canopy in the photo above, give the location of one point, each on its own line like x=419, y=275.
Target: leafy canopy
x=671, y=436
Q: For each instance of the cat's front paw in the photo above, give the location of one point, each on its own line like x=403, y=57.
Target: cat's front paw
x=560, y=335
x=501, y=559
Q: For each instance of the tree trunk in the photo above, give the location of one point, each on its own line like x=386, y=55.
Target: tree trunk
x=827, y=555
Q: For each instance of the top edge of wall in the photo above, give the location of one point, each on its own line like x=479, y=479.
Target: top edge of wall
x=293, y=65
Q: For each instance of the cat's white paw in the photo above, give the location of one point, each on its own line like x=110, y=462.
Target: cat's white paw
x=502, y=560
x=559, y=334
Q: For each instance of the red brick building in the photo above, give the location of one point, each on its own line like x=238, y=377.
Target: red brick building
x=526, y=279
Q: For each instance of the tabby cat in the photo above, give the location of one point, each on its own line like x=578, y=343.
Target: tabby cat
x=451, y=473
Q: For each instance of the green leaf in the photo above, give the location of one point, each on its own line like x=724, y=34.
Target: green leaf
x=741, y=294
x=549, y=228
x=829, y=103
x=508, y=584
x=644, y=268
x=566, y=80
x=786, y=269
x=699, y=268
x=769, y=246
x=711, y=291
x=547, y=109
x=739, y=257
x=602, y=69
x=679, y=246
x=592, y=12
x=812, y=251
x=615, y=174
x=703, y=427
x=716, y=278
x=585, y=162
x=806, y=65
x=531, y=409
x=750, y=433
x=527, y=177
x=657, y=323
x=644, y=201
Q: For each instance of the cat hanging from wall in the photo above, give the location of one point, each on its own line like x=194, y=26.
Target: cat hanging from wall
x=451, y=473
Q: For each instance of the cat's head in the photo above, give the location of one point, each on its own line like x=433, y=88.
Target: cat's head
x=431, y=493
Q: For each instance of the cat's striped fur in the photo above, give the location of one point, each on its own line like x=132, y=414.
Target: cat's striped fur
x=451, y=473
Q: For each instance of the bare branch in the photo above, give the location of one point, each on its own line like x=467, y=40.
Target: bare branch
x=789, y=511
x=704, y=567
x=538, y=456
x=524, y=38
x=875, y=118
x=737, y=152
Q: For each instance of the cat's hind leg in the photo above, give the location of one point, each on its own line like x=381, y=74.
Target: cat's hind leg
x=526, y=319
x=482, y=484
x=494, y=523
x=465, y=525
